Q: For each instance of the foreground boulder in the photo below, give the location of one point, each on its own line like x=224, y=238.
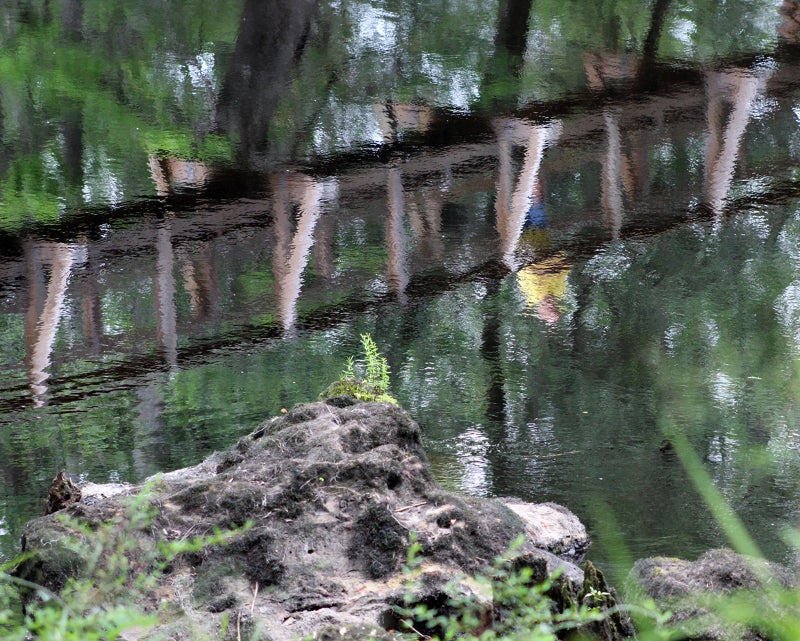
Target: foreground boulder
x=721, y=596
x=333, y=494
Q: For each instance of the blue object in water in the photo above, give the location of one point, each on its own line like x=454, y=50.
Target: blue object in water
x=536, y=217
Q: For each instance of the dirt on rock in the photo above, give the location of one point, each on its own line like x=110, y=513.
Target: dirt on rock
x=330, y=496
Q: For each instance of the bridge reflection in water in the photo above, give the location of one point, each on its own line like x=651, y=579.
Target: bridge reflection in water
x=300, y=214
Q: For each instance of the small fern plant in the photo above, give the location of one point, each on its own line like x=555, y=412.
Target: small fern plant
x=365, y=378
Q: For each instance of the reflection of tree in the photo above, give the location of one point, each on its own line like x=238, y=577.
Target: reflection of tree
x=72, y=125
x=510, y=42
x=272, y=35
x=650, y=48
x=72, y=135
x=511, y=34
x=72, y=18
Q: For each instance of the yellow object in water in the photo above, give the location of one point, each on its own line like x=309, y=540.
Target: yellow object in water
x=543, y=279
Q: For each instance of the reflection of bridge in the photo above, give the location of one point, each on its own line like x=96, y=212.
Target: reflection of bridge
x=198, y=229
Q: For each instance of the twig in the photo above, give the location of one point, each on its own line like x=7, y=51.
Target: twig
x=557, y=454
x=335, y=418
x=422, y=635
x=400, y=523
x=238, y=626
x=410, y=507
x=253, y=604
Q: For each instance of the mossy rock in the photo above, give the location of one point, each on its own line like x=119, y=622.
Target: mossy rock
x=357, y=389
x=49, y=558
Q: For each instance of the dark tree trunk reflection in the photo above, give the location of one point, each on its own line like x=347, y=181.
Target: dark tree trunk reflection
x=512, y=28
x=510, y=41
x=72, y=18
x=272, y=35
x=490, y=352
x=650, y=49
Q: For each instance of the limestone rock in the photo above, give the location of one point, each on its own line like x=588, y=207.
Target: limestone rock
x=333, y=495
x=552, y=527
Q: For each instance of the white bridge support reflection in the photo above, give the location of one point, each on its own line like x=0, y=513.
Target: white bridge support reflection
x=291, y=251
x=42, y=320
x=164, y=292
x=396, y=239
x=514, y=200
x=393, y=119
x=723, y=144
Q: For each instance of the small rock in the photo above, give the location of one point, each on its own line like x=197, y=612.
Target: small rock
x=691, y=589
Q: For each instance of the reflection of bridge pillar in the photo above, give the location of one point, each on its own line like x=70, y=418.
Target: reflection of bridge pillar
x=723, y=144
x=291, y=251
x=512, y=208
x=37, y=288
x=426, y=224
x=166, y=315
x=396, y=241
x=91, y=306
x=504, y=184
x=611, y=188
x=323, y=251
x=199, y=279
x=41, y=327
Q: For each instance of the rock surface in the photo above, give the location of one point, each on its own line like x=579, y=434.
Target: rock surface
x=694, y=591
x=333, y=494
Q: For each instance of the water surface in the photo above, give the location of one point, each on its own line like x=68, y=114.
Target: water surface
x=572, y=230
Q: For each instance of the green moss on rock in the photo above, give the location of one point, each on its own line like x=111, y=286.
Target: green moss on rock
x=359, y=390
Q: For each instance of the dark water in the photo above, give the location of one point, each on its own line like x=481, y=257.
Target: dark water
x=573, y=230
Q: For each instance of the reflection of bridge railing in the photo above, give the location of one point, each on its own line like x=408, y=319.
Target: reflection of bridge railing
x=596, y=127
